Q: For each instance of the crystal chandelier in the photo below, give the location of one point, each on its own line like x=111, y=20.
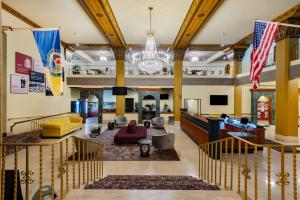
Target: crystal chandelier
x=150, y=60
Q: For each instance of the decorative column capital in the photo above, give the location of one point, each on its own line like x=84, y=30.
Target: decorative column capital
x=288, y=32
x=238, y=54
x=119, y=53
x=179, y=54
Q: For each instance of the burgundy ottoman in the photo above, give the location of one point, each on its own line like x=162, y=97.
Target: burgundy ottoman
x=130, y=134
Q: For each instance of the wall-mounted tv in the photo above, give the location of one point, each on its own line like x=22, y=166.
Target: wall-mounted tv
x=119, y=90
x=218, y=100
x=164, y=96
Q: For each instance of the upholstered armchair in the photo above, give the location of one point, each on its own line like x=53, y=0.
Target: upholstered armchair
x=164, y=141
x=158, y=122
x=120, y=121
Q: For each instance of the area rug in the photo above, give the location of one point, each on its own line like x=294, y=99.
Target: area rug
x=28, y=137
x=114, y=152
x=144, y=182
x=287, y=149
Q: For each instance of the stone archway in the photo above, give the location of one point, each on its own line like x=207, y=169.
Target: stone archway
x=156, y=96
x=84, y=93
x=255, y=95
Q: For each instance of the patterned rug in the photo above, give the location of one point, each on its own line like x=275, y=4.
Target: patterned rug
x=114, y=152
x=28, y=137
x=287, y=149
x=144, y=182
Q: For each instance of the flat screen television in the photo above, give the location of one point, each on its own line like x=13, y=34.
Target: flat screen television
x=244, y=120
x=218, y=100
x=164, y=96
x=119, y=90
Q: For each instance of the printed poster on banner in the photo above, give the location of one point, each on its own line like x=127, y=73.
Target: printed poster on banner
x=18, y=84
x=23, y=63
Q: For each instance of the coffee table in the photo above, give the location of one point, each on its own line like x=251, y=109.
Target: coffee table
x=144, y=147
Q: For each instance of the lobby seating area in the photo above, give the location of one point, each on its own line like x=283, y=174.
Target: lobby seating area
x=130, y=134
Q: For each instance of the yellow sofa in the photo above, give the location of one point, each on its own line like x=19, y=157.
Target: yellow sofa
x=60, y=126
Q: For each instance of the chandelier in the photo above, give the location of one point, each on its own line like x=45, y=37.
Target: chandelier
x=150, y=60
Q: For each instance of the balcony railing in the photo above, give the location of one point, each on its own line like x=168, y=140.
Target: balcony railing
x=133, y=71
x=210, y=71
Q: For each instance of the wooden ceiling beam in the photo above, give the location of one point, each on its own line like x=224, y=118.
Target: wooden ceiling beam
x=284, y=16
x=207, y=47
x=101, y=14
x=28, y=21
x=198, y=15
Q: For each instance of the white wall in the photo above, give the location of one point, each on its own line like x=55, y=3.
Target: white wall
x=31, y=104
x=203, y=92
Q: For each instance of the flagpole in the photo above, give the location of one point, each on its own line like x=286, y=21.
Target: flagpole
x=8, y=28
x=282, y=24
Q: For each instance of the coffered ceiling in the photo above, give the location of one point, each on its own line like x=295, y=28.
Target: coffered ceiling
x=76, y=27
x=95, y=23
x=234, y=19
x=133, y=18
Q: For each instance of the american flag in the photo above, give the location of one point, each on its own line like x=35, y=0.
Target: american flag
x=264, y=36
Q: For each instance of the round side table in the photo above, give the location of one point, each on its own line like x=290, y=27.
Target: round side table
x=111, y=125
x=147, y=124
x=144, y=147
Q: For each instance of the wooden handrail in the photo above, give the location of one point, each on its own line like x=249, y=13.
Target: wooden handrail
x=17, y=118
x=38, y=118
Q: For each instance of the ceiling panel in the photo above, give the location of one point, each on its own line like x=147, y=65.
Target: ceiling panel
x=76, y=26
x=235, y=19
x=133, y=19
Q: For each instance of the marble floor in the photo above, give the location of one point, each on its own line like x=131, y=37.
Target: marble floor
x=188, y=165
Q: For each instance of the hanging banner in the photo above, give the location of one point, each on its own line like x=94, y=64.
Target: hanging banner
x=48, y=42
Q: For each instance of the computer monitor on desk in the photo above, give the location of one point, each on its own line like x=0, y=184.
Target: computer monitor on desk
x=244, y=120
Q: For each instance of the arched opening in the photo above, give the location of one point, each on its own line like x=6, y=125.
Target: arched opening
x=92, y=109
x=148, y=107
x=264, y=110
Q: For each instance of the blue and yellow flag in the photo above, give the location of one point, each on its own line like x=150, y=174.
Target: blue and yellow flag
x=48, y=42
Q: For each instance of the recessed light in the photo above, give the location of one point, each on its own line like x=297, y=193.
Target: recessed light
x=194, y=59
x=77, y=44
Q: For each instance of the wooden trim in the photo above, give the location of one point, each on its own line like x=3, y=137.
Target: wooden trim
x=29, y=22
x=263, y=90
x=101, y=14
x=198, y=15
x=287, y=14
x=91, y=89
x=147, y=89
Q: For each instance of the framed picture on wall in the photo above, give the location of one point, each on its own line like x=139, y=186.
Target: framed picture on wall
x=23, y=63
x=36, y=82
x=38, y=66
x=19, y=84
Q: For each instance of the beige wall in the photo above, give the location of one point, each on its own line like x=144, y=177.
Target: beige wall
x=203, y=92
x=31, y=104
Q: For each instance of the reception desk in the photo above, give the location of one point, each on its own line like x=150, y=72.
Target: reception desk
x=201, y=129
x=205, y=129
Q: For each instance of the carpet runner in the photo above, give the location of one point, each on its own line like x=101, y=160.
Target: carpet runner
x=147, y=182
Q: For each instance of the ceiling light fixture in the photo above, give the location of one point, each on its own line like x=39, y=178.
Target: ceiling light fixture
x=194, y=59
x=150, y=60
